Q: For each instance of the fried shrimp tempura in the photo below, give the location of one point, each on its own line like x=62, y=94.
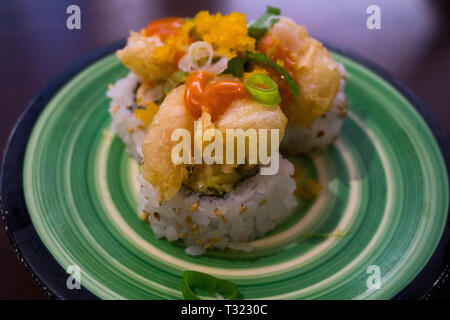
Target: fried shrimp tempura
x=316, y=73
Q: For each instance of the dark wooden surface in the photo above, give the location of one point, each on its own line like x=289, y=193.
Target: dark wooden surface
x=413, y=45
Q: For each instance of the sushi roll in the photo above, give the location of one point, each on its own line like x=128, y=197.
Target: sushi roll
x=217, y=78
x=316, y=117
x=212, y=206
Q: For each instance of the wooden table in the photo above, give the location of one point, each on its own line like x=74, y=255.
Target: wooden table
x=413, y=44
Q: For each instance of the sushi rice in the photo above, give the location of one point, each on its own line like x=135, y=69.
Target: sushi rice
x=323, y=131
x=255, y=206
x=129, y=129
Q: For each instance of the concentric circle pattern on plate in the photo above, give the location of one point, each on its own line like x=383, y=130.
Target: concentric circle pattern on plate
x=385, y=187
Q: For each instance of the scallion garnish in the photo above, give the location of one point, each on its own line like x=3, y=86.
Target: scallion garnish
x=236, y=66
x=174, y=80
x=263, y=89
x=259, y=27
x=259, y=58
x=197, y=280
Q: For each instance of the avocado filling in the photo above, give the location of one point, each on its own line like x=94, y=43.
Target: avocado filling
x=215, y=180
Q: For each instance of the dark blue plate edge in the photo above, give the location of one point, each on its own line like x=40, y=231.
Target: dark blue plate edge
x=51, y=277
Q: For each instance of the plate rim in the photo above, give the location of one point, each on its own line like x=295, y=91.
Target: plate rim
x=50, y=276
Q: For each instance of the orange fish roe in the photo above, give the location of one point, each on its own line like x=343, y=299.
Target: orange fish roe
x=256, y=70
x=146, y=115
x=175, y=46
x=228, y=35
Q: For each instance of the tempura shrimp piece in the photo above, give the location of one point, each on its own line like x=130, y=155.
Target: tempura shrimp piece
x=316, y=73
x=157, y=166
x=138, y=57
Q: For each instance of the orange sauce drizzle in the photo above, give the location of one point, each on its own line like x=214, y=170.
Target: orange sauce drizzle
x=213, y=98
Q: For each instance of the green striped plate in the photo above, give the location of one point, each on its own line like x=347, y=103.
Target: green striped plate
x=382, y=212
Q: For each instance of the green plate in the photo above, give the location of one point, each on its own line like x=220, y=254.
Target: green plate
x=384, y=205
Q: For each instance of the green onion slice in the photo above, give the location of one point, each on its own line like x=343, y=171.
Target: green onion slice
x=263, y=89
x=237, y=64
x=259, y=27
x=194, y=279
x=263, y=59
x=174, y=80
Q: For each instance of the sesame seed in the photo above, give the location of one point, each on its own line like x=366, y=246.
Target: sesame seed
x=342, y=114
x=183, y=235
x=143, y=215
x=194, y=206
x=194, y=229
x=220, y=215
x=214, y=240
